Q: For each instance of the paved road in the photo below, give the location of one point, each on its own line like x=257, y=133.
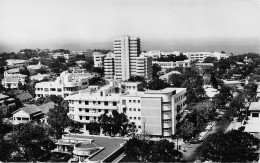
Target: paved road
x=189, y=152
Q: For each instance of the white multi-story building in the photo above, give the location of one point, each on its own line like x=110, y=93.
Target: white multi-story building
x=12, y=78
x=109, y=66
x=98, y=59
x=200, y=56
x=16, y=62
x=159, y=54
x=152, y=111
x=68, y=56
x=66, y=84
x=167, y=65
x=126, y=49
x=127, y=61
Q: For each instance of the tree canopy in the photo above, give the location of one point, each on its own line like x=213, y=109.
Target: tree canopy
x=58, y=120
x=31, y=140
x=233, y=146
x=137, y=150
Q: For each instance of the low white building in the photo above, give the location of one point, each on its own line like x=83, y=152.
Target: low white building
x=16, y=62
x=200, y=56
x=66, y=84
x=152, y=111
x=98, y=59
x=167, y=65
x=26, y=114
x=253, y=122
x=37, y=67
x=40, y=77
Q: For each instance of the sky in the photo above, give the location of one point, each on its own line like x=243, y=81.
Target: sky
x=166, y=25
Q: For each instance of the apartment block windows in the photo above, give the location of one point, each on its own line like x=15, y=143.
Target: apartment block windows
x=80, y=117
x=134, y=101
x=87, y=110
x=130, y=109
x=99, y=102
x=134, y=109
x=87, y=117
x=255, y=114
x=79, y=102
x=106, y=103
x=80, y=109
x=86, y=102
x=138, y=101
x=114, y=103
x=130, y=101
x=59, y=89
x=53, y=89
x=106, y=111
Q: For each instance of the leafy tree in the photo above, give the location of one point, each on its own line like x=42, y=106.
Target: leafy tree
x=157, y=84
x=187, y=130
x=25, y=71
x=2, y=88
x=6, y=149
x=115, y=124
x=201, y=113
x=176, y=80
x=137, y=150
x=163, y=151
x=93, y=128
x=58, y=120
x=32, y=140
x=75, y=126
x=210, y=60
x=156, y=68
x=214, y=81
x=233, y=146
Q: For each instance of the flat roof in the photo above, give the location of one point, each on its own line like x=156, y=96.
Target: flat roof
x=110, y=145
x=255, y=106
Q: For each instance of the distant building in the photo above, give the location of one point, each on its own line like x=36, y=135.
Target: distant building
x=16, y=63
x=166, y=76
x=80, y=63
x=200, y=56
x=98, y=59
x=24, y=97
x=56, y=55
x=203, y=65
x=7, y=104
x=167, y=65
x=37, y=67
x=126, y=61
x=40, y=77
x=65, y=85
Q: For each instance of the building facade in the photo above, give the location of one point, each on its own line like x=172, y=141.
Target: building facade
x=167, y=65
x=66, y=84
x=98, y=59
x=200, y=56
x=153, y=112
x=127, y=61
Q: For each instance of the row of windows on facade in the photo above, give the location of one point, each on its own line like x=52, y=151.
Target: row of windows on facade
x=179, y=98
x=95, y=103
x=58, y=89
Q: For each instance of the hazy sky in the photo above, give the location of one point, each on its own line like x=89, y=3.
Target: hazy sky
x=183, y=25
